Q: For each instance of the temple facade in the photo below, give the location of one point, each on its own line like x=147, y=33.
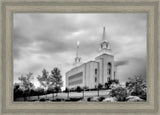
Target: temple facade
x=92, y=73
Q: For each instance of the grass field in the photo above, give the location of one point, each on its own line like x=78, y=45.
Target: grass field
x=64, y=95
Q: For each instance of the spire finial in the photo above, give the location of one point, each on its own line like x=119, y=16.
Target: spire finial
x=77, y=48
x=103, y=37
x=77, y=58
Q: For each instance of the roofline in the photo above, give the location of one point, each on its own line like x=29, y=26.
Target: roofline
x=81, y=65
x=104, y=54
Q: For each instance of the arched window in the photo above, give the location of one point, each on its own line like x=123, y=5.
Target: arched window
x=109, y=68
x=101, y=46
x=95, y=75
x=95, y=71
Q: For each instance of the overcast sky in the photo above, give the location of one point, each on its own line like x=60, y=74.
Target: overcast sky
x=49, y=40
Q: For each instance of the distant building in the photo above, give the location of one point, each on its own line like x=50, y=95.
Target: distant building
x=92, y=73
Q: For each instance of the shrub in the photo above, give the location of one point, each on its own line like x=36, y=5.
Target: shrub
x=101, y=98
x=75, y=99
x=78, y=89
x=72, y=89
x=107, y=85
x=100, y=86
x=137, y=87
x=18, y=92
x=110, y=82
x=86, y=88
x=50, y=90
x=119, y=92
x=42, y=99
x=89, y=99
x=58, y=99
x=66, y=90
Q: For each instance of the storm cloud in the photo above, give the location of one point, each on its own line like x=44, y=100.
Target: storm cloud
x=48, y=40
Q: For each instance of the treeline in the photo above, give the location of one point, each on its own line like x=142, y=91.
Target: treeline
x=99, y=86
x=50, y=83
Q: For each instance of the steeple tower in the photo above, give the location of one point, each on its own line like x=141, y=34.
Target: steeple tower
x=104, y=45
x=77, y=48
x=104, y=35
x=77, y=58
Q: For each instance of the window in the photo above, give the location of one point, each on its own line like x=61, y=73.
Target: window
x=101, y=46
x=76, y=76
x=95, y=79
x=109, y=68
x=76, y=82
x=109, y=78
x=95, y=71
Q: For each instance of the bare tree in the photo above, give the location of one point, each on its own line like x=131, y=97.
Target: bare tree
x=56, y=79
x=44, y=80
x=26, y=83
x=53, y=81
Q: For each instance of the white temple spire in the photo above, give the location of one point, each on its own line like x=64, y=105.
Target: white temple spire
x=77, y=48
x=77, y=58
x=103, y=37
x=104, y=45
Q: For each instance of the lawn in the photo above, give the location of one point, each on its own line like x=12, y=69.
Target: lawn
x=63, y=95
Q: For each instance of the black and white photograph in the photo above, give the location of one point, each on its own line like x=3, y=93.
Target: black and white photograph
x=79, y=57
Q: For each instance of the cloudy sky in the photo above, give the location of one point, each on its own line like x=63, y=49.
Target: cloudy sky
x=49, y=40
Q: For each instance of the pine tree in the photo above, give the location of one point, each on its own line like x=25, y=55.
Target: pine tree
x=44, y=80
x=26, y=83
x=56, y=79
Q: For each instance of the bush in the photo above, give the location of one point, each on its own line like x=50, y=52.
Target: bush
x=57, y=99
x=119, y=93
x=78, y=89
x=50, y=90
x=75, y=99
x=42, y=99
x=93, y=89
x=110, y=82
x=66, y=90
x=107, y=85
x=101, y=98
x=57, y=89
x=72, y=89
x=137, y=87
x=86, y=88
x=89, y=99
x=100, y=86
x=17, y=91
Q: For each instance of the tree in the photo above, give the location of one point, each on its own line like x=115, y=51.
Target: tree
x=99, y=87
x=67, y=91
x=119, y=93
x=40, y=91
x=16, y=91
x=26, y=83
x=56, y=79
x=78, y=89
x=51, y=89
x=137, y=86
x=84, y=88
x=44, y=80
x=110, y=82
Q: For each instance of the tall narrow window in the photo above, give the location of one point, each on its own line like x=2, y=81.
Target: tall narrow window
x=95, y=71
x=95, y=75
x=109, y=68
x=95, y=79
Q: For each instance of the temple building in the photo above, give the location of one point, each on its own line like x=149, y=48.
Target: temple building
x=92, y=73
